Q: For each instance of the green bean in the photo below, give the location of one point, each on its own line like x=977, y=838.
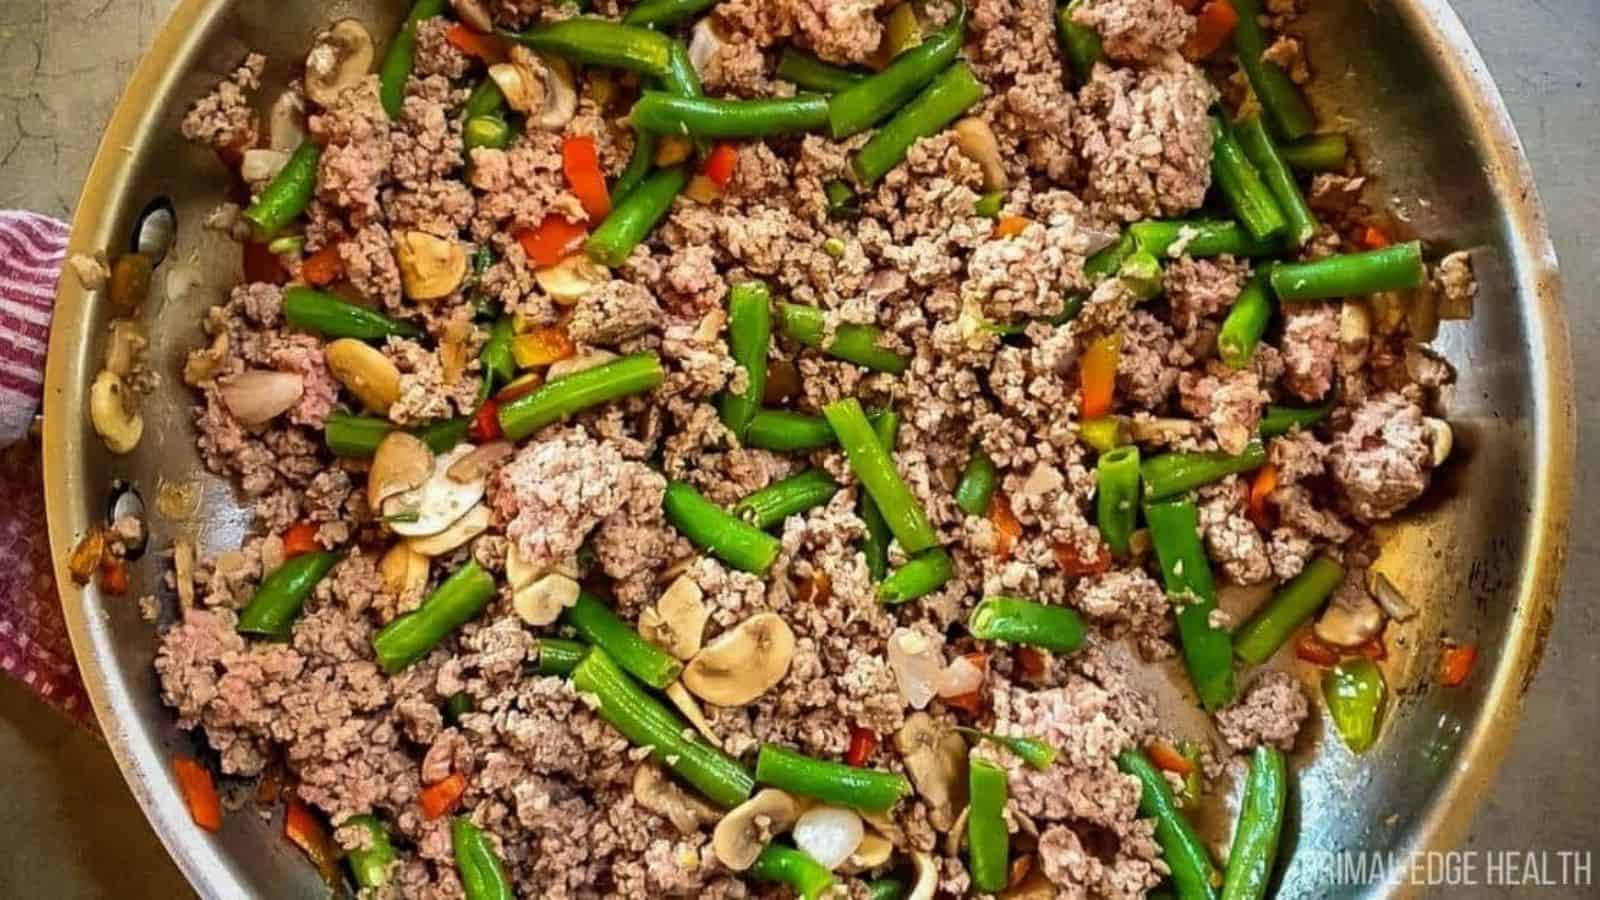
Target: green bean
x=598, y=42
x=1117, y=498
x=1255, y=838
x=370, y=863
x=446, y=434
x=1032, y=751
x=1317, y=153
x=791, y=496
x=397, y=61
x=1242, y=186
x=324, y=314
x=842, y=203
x=808, y=73
x=485, y=100
x=1104, y=434
x=1170, y=474
x=682, y=79
x=483, y=875
x=1103, y=263
x=1296, y=602
x=499, y=365
x=1246, y=322
x=990, y=204
x=557, y=400
x=1141, y=275
x=1186, y=573
x=646, y=722
x=988, y=842
x=459, y=704
x=485, y=131
x=1264, y=154
x=859, y=344
x=639, y=166
x=1279, y=420
x=452, y=604
x=1193, y=873
x=942, y=102
x=655, y=13
x=1079, y=43
x=355, y=436
x=786, y=865
x=282, y=595
x=875, y=543
x=662, y=113
x=293, y=244
x=559, y=657
x=977, y=484
x=1016, y=621
x=921, y=575
x=876, y=471
x=289, y=192
x=749, y=338
x=871, y=100
x=886, y=889
x=1282, y=101
x=1199, y=238
x=781, y=429
x=866, y=789
x=1354, y=691
x=600, y=627
x=732, y=540
x=1394, y=268
x=635, y=215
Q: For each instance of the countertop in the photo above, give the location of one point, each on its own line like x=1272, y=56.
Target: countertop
x=69, y=825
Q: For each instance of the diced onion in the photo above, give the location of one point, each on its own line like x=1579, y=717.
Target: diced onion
x=828, y=834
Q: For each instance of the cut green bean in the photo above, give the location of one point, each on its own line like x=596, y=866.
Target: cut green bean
x=483, y=875
x=783, y=430
x=990, y=204
x=282, y=595
x=808, y=73
x=876, y=471
x=370, y=863
x=579, y=391
x=875, y=543
x=988, y=841
x=1280, y=420
x=842, y=203
x=598, y=42
x=1255, y=839
x=645, y=721
x=1141, y=274
x=1170, y=474
x=1186, y=574
x=1079, y=43
x=859, y=344
x=921, y=575
x=942, y=102
x=1104, y=434
x=1285, y=106
x=355, y=436
x=791, y=496
x=558, y=656
x=485, y=100
x=1292, y=606
x=1199, y=238
x=499, y=364
x=1317, y=153
x=1242, y=186
x=459, y=704
x=1264, y=154
x=635, y=216
x=871, y=100
x=289, y=192
x=1032, y=751
x=1194, y=874
x=662, y=113
x=809, y=879
x=977, y=484
x=1016, y=621
x=1354, y=692
x=594, y=621
x=446, y=434
x=886, y=889
x=707, y=526
x=1117, y=498
x=1395, y=268
x=638, y=168
x=455, y=602
x=324, y=314
x=485, y=131
x=866, y=789
x=1245, y=323
x=749, y=339
x=398, y=59
x=656, y=13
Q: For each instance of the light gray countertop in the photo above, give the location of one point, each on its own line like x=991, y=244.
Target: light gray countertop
x=71, y=829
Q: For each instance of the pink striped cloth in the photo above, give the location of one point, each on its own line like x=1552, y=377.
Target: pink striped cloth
x=34, y=646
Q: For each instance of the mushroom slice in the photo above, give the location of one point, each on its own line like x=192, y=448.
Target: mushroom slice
x=1389, y=597
x=1441, y=439
x=541, y=87
x=685, y=702
x=339, y=58
x=365, y=372
x=202, y=363
x=1355, y=334
x=743, y=662
x=828, y=834
x=936, y=760
x=656, y=792
x=1033, y=886
x=112, y=413
x=677, y=622
x=976, y=141
x=1351, y=619
x=257, y=396
x=572, y=279
x=927, y=876
x=560, y=94
x=437, y=503
x=541, y=601
x=183, y=570
x=404, y=571
x=746, y=829
x=475, y=466
x=286, y=122
x=706, y=40
x=474, y=13
x=124, y=347
x=873, y=851
x=401, y=463
x=464, y=529
x=430, y=266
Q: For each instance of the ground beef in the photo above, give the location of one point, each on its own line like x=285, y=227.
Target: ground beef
x=1146, y=140
x=1381, y=461
x=1229, y=400
x=842, y=31
x=356, y=152
x=1132, y=603
x=1310, y=348
x=1232, y=540
x=435, y=55
x=612, y=313
x=223, y=119
x=1454, y=282
x=1137, y=31
x=1270, y=712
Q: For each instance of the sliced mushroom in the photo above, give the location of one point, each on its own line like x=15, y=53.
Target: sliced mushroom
x=677, y=622
x=685, y=702
x=401, y=463
x=430, y=266
x=124, y=347
x=927, y=876
x=339, y=58
x=474, y=13
x=475, y=466
x=404, y=571
x=586, y=358
x=437, y=503
x=541, y=601
x=936, y=760
x=286, y=122
x=657, y=793
x=1441, y=439
x=1389, y=597
x=706, y=40
x=977, y=142
x=1355, y=334
x=541, y=87
x=112, y=413
x=955, y=840
x=747, y=828
x=1148, y=430
x=462, y=530
x=183, y=570
x=1351, y=618
x=743, y=662
x=828, y=834
x=873, y=851
x=560, y=94
x=884, y=824
x=259, y=165
x=257, y=396
x=572, y=279
x=201, y=364
x=365, y=372
x=1033, y=886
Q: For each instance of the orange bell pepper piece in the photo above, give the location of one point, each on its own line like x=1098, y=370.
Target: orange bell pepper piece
x=580, y=162
x=114, y=576
x=1097, y=374
x=485, y=423
x=1007, y=528
x=1266, y=481
x=1167, y=758
x=1010, y=226
x=863, y=741
x=1311, y=649
x=302, y=826
x=720, y=165
x=1373, y=238
x=554, y=240
x=1073, y=563
x=322, y=267
x=476, y=44
x=301, y=537
x=1213, y=26
x=441, y=797
x=1455, y=666
x=542, y=346
x=199, y=792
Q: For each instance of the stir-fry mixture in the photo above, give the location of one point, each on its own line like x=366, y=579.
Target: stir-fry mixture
x=748, y=448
